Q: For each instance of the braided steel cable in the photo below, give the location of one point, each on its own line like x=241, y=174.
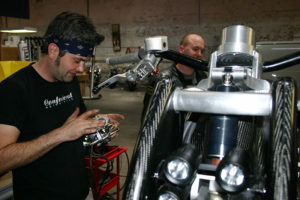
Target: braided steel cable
x=134, y=189
x=282, y=147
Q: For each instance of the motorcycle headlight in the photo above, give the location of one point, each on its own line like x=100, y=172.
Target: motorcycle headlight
x=234, y=170
x=180, y=167
x=178, y=170
x=232, y=175
x=168, y=195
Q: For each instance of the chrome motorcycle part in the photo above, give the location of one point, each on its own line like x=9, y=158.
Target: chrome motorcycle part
x=143, y=68
x=204, y=182
x=157, y=43
x=246, y=77
x=108, y=82
x=223, y=132
x=102, y=135
x=237, y=39
x=237, y=46
x=146, y=58
x=223, y=128
x=238, y=53
x=234, y=103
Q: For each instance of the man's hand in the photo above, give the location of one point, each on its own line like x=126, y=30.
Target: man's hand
x=14, y=154
x=113, y=119
x=77, y=126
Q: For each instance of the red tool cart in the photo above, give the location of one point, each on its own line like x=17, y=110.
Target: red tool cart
x=113, y=178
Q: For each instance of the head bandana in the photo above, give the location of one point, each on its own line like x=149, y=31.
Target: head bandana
x=71, y=46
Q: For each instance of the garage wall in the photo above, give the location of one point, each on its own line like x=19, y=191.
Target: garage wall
x=273, y=20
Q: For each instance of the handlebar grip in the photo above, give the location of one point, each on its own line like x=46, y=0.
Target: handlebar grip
x=129, y=58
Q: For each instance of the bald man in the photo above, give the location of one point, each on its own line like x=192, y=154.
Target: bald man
x=191, y=45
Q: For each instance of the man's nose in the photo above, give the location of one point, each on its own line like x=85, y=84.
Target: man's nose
x=80, y=68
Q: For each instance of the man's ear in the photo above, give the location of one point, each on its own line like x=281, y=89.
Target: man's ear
x=53, y=51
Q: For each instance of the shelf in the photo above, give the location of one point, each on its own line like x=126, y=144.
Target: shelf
x=114, y=178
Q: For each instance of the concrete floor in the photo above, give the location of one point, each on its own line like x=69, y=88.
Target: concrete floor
x=128, y=103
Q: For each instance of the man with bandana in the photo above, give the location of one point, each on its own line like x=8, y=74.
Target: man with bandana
x=43, y=118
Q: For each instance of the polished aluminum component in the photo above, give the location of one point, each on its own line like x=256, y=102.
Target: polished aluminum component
x=237, y=39
x=238, y=74
x=256, y=65
x=233, y=103
x=242, y=75
x=259, y=85
x=196, y=192
x=157, y=43
x=145, y=66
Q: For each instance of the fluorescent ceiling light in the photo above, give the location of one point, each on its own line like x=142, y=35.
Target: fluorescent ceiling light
x=18, y=30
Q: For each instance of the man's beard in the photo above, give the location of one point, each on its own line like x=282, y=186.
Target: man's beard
x=56, y=70
x=57, y=61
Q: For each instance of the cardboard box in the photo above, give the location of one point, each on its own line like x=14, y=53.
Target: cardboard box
x=9, y=53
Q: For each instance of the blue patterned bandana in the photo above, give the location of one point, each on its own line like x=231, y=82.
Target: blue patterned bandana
x=71, y=46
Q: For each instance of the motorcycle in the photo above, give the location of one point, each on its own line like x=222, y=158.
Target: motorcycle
x=233, y=136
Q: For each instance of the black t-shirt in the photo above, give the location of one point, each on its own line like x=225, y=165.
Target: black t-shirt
x=184, y=80
x=36, y=106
